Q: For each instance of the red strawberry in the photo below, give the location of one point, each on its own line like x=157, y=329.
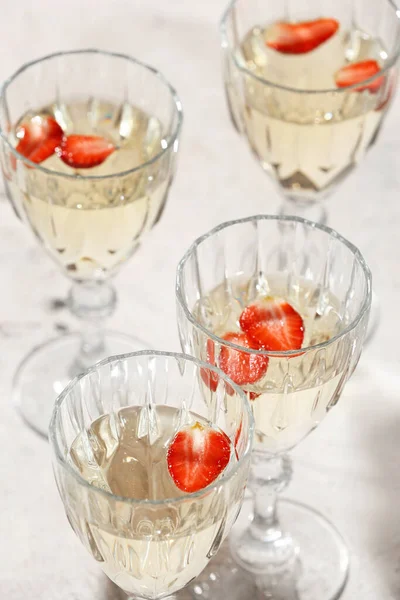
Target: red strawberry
x=251, y=395
x=84, y=151
x=210, y=378
x=359, y=72
x=238, y=434
x=299, y=38
x=38, y=138
x=197, y=456
x=241, y=367
x=273, y=324
x=390, y=91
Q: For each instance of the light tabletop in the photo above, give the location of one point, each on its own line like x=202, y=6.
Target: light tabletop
x=349, y=468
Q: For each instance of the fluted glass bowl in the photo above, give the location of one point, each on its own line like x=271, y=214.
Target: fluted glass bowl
x=149, y=548
x=325, y=278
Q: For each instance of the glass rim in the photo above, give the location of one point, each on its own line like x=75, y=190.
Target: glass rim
x=177, y=499
x=391, y=61
x=274, y=354
x=78, y=177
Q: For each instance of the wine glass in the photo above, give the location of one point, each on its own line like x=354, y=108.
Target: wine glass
x=89, y=141
x=111, y=434
x=308, y=93
x=315, y=290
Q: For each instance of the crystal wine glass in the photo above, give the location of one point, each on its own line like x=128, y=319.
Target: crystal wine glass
x=246, y=291
x=88, y=145
x=112, y=432
x=308, y=86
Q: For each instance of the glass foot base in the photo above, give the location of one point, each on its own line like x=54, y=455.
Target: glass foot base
x=45, y=372
x=320, y=573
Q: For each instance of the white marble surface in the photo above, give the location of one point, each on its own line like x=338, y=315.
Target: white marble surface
x=349, y=468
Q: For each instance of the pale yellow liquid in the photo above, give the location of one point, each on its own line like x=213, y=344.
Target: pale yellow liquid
x=295, y=393
x=92, y=227
x=307, y=142
x=147, y=550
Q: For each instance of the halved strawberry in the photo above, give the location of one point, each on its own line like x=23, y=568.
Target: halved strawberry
x=302, y=37
x=38, y=138
x=84, y=151
x=197, y=456
x=389, y=92
x=273, y=324
x=238, y=434
x=210, y=378
x=242, y=367
x=359, y=72
x=251, y=395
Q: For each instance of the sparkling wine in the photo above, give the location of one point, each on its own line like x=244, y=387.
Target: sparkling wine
x=295, y=393
x=154, y=548
x=92, y=226
x=306, y=141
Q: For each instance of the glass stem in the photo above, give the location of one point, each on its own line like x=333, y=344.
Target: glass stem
x=265, y=525
x=91, y=302
x=268, y=478
x=264, y=546
x=313, y=210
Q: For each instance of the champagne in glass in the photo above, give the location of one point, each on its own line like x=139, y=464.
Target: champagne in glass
x=151, y=471
x=308, y=88
x=281, y=305
x=89, y=141
x=89, y=229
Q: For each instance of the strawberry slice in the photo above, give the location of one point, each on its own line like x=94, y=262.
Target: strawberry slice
x=84, y=151
x=242, y=367
x=302, y=37
x=196, y=456
x=210, y=378
x=38, y=138
x=359, y=72
x=237, y=436
x=390, y=91
x=251, y=395
x=273, y=324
